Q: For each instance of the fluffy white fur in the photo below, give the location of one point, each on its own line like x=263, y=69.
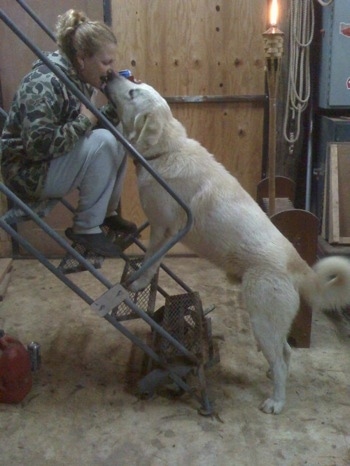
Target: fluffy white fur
x=230, y=229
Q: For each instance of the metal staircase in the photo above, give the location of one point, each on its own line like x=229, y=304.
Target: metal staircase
x=181, y=343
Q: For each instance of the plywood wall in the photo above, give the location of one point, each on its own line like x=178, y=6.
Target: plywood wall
x=195, y=46
x=201, y=48
x=184, y=48
x=15, y=57
x=15, y=61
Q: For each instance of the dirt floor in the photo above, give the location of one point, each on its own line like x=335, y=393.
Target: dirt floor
x=83, y=408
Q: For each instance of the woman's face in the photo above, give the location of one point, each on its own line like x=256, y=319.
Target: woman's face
x=91, y=69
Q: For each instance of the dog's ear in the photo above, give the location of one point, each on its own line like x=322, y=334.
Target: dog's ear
x=148, y=128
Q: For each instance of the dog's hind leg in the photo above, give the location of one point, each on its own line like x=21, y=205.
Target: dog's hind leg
x=287, y=352
x=286, y=355
x=272, y=303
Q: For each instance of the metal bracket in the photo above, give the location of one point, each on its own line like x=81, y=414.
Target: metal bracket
x=109, y=300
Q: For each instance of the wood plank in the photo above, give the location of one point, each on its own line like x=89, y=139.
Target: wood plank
x=200, y=56
x=333, y=196
x=195, y=47
x=338, y=194
x=343, y=151
x=282, y=204
x=5, y=275
x=4, y=284
x=344, y=240
x=5, y=267
x=324, y=221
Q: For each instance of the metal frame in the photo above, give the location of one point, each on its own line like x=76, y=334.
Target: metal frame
x=205, y=408
x=108, y=125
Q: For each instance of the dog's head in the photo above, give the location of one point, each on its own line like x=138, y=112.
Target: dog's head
x=142, y=110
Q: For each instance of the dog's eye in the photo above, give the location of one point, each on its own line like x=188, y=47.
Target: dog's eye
x=131, y=93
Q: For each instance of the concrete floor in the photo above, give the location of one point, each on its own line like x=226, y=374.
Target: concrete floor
x=82, y=409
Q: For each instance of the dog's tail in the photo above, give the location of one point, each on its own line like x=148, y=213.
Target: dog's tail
x=331, y=284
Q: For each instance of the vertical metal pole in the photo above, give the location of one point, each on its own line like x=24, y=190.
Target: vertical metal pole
x=107, y=12
x=273, y=41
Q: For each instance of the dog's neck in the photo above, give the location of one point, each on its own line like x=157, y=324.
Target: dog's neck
x=151, y=157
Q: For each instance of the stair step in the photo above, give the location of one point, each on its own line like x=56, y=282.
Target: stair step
x=144, y=299
x=183, y=318
x=70, y=264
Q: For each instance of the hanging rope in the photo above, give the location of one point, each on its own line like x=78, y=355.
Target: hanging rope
x=325, y=3
x=302, y=25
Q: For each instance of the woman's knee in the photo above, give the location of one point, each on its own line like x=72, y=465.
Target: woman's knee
x=109, y=145
x=105, y=138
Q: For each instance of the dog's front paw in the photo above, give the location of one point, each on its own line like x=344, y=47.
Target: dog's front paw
x=271, y=406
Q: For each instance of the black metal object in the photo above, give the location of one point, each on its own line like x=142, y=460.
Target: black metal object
x=107, y=12
x=183, y=318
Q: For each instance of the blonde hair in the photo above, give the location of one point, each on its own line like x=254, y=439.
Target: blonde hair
x=75, y=33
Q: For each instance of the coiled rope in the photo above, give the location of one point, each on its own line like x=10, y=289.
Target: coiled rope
x=325, y=3
x=302, y=22
x=302, y=25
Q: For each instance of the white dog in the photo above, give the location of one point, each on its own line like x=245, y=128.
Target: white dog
x=229, y=229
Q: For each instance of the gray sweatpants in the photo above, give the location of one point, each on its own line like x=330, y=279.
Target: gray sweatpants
x=96, y=166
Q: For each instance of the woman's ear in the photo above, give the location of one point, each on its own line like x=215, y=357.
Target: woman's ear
x=80, y=61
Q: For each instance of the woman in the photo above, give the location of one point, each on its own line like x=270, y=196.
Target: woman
x=51, y=144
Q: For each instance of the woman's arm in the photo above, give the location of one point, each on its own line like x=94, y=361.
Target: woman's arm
x=51, y=118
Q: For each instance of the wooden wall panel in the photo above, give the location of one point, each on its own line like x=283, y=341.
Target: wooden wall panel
x=195, y=46
x=15, y=57
x=336, y=217
x=232, y=132
x=200, y=48
x=183, y=48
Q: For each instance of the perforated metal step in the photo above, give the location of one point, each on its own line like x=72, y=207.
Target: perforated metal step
x=145, y=299
x=183, y=318
x=70, y=264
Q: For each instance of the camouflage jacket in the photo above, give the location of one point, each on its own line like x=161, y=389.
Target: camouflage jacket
x=43, y=123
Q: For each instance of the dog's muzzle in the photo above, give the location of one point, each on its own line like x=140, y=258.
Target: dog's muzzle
x=106, y=79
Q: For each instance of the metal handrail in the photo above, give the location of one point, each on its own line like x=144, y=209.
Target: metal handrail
x=37, y=19
x=54, y=235
x=108, y=125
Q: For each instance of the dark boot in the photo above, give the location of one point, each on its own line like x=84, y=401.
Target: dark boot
x=97, y=242
x=119, y=225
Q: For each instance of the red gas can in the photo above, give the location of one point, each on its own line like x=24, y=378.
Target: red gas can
x=15, y=370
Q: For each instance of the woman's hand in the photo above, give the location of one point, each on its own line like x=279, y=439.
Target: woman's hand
x=85, y=111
